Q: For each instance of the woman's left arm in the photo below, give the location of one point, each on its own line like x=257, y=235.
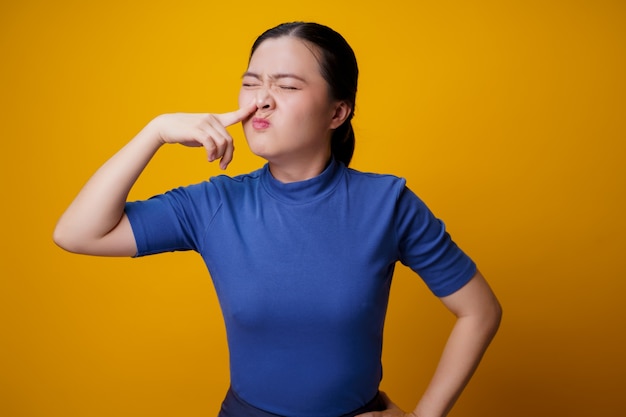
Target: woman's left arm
x=478, y=315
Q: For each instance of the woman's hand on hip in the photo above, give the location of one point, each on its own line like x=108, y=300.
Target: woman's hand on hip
x=392, y=410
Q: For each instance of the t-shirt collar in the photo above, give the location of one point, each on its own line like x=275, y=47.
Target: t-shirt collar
x=301, y=192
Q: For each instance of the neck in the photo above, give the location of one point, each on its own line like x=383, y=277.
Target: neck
x=296, y=170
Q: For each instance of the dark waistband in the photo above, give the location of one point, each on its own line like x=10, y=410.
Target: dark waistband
x=234, y=406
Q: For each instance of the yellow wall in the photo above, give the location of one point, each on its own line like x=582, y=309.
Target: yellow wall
x=507, y=118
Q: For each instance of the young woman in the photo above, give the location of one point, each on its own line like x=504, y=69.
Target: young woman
x=301, y=251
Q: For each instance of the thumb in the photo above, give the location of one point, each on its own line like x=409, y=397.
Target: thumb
x=388, y=403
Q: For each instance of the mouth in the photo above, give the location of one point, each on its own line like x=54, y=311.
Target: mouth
x=260, y=123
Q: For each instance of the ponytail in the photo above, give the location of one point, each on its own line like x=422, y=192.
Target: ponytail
x=342, y=143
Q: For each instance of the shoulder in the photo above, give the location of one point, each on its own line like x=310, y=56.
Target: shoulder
x=386, y=187
x=240, y=178
x=241, y=181
x=227, y=187
x=376, y=182
x=211, y=190
x=373, y=177
x=226, y=181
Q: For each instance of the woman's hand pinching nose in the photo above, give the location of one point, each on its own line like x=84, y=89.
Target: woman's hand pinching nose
x=225, y=152
x=230, y=118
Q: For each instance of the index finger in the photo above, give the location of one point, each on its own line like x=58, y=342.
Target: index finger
x=230, y=118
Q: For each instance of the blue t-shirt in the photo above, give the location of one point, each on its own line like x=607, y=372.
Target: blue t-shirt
x=302, y=272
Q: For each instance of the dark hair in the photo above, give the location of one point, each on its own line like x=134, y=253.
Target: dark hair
x=338, y=67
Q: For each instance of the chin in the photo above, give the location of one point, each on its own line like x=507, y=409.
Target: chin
x=258, y=149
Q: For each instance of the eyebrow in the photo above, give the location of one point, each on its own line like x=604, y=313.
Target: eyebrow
x=273, y=76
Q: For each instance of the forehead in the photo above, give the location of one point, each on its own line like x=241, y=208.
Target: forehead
x=285, y=54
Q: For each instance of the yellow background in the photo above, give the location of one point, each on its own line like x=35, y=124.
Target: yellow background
x=507, y=118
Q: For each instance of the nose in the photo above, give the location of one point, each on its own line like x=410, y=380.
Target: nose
x=264, y=99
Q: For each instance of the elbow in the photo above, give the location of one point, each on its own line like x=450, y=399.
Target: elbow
x=77, y=238
x=494, y=317
x=61, y=239
x=66, y=240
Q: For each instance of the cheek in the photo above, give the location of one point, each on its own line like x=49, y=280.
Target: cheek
x=245, y=97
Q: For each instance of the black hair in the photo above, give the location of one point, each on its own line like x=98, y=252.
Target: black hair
x=339, y=68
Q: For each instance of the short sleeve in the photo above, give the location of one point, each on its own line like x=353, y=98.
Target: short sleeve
x=426, y=247
x=173, y=221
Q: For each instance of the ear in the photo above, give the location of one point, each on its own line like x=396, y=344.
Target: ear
x=341, y=113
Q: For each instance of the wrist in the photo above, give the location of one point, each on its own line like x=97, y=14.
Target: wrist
x=151, y=133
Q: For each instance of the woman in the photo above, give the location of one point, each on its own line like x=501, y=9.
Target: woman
x=301, y=251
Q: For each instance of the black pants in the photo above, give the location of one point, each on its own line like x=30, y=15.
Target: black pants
x=233, y=406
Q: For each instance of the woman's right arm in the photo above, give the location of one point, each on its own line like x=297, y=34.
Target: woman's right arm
x=95, y=223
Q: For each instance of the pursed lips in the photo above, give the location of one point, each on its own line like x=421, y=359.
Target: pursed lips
x=260, y=123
